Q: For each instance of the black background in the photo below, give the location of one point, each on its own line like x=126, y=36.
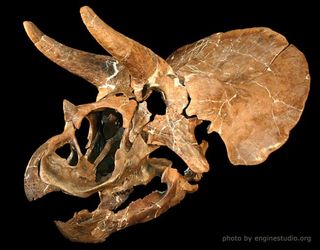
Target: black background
x=274, y=198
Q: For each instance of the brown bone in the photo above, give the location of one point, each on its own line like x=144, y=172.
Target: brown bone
x=96, y=226
x=144, y=66
x=96, y=69
x=256, y=87
x=250, y=84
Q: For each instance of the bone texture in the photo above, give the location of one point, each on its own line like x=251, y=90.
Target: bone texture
x=250, y=84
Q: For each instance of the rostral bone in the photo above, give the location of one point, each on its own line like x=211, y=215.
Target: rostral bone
x=250, y=84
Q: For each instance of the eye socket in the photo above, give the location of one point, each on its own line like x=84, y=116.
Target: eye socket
x=156, y=104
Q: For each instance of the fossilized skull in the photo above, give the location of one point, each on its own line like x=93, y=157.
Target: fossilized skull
x=249, y=83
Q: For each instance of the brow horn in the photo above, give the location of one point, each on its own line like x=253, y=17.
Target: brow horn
x=89, y=66
x=139, y=60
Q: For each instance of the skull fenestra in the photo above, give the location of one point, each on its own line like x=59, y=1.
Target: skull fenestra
x=250, y=84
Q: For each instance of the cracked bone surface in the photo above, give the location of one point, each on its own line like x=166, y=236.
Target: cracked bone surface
x=250, y=84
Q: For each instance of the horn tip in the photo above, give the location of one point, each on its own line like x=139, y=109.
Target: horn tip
x=32, y=31
x=87, y=11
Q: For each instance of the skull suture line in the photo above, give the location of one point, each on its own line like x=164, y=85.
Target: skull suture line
x=250, y=84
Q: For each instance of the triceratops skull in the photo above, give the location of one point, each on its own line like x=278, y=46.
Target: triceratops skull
x=250, y=84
